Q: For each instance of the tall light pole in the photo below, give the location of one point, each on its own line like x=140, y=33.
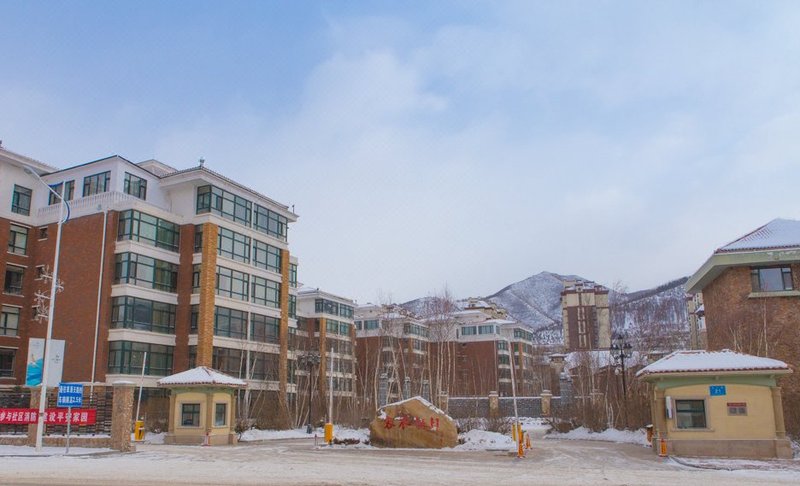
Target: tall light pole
x=310, y=361
x=52, y=308
x=621, y=350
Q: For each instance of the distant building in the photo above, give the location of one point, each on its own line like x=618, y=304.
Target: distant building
x=585, y=316
x=697, y=322
x=750, y=291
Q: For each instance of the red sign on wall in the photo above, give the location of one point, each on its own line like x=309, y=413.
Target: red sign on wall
x=52, y=416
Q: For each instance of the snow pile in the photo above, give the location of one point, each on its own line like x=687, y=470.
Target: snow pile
x=482, y=440
x=362, y=435
x=608, y=435
x=537, y=427
x=256, y=434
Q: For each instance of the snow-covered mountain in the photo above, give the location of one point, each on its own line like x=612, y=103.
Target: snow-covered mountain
x=536, y=302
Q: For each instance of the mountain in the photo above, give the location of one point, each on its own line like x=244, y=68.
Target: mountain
x=536, y=302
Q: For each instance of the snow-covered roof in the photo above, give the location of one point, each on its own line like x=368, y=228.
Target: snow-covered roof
x=201, y=376
x=701, y=361
x=778, y=233
x=433, y=408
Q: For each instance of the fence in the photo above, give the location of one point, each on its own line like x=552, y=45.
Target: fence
x=17, y=397
x=469, y=407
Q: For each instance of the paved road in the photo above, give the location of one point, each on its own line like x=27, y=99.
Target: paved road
x=297, y=462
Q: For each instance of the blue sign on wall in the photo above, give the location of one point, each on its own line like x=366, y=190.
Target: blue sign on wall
x=70, y=395
x=717, y=390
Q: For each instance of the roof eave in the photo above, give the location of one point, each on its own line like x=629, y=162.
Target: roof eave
x=649, y=376
x=721, y=261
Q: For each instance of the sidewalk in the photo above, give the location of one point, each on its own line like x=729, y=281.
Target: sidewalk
x=26, y=451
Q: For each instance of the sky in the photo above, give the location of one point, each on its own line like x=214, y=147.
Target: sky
x=430, y=144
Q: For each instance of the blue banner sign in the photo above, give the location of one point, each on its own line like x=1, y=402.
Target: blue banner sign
x=717, y=390
x=70, y=395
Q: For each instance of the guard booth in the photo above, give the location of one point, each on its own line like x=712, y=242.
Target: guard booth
x=717, y=404
x=201, y=407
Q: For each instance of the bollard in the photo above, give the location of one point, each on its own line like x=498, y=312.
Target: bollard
x=514, y=432
x=662, y=447
x=329, y=433
x=138, y=431
x=528, y=441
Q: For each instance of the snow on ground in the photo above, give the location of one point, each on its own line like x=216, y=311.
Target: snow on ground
x=256, y=434
x=483, y=440
x=10, y=450
x=739, y=464
x=608, y=435
x=537, y=427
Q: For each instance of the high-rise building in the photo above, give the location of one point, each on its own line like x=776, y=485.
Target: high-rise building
x=585, y=316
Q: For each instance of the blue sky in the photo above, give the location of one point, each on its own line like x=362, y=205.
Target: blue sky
x=470, y=144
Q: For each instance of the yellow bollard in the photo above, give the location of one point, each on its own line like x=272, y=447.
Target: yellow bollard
x=329, y=433
x=520, y=449
x=138, y=431
x=514, y=432
x=527, y=441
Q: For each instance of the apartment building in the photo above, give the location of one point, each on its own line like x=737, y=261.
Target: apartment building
x=393, y=354
x=188, y=266
x=585, y=316
x=328, y=334
x=750, y=289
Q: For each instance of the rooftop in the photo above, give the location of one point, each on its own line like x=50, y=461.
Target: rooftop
x=701, y=361
x=778, y=233
x=201, y=376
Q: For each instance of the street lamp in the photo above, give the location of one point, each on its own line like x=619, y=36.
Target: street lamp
x=51, y=310
x=621, y=350
x=309, y=361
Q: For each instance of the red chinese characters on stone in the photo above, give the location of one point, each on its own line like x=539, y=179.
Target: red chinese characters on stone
x=388, y=423
x=407, y=421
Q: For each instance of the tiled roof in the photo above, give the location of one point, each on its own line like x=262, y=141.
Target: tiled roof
x=699, y=361
x=201, y=376
x=778, y=233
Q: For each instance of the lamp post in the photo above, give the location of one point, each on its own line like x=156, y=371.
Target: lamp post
x=621, y=350
x=52, y=307
x=310, y=361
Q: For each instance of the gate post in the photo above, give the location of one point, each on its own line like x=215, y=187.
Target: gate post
x=121, y=416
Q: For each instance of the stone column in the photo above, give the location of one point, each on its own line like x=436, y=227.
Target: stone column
x=122, y=416
x=208, y=276
x=660, y=414
x=546, y=400
x=32, y=428
x=209, y=414
x=283, y=361
x=494, y=405
x=777, y=408
x=172, y=415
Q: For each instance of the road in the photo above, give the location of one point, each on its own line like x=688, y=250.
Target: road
x=297, y=462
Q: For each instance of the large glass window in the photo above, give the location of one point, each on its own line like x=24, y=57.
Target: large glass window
x=135, y=186
x=142, y=314
x=18, y=240
x=266, y=292
x=198, y=238
x=266, y=256
x=14, y=277
x=468, y=331
x=334, y=308
x=264, y=329
x=270, y=222
x=230, y=323
x=232, y=284
x=96, y=184
x=415, y=329
x=196, y=269
x=68, y=193
x=190, y=415
x=233, y=245
x=229, y=361
x=771, y=279
x=211, y=199
x=7, y=362
x=690, y=414
x=145, y=271
x=292, y=306
x=138, y=226
x=371, y=324
x=21, y=200
x=195, y=316
x=126, y=357
x=9, y=321
x=292, y=275
x=264, y=366
x=488, y=329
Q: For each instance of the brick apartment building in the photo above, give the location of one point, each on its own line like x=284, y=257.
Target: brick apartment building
x=585, y=316
x=189, y=266
x=750, y=289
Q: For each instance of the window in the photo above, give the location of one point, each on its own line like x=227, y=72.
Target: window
x=9, y=321
x=266, y=256
x=293, y=306
x=198, y=238
x=264, y=329
x=502, y=345
x=270, y=222
x=233, y=245
x=195, y=315
x=229, y=361
x=264, y=366
x=13, y=283
x=138, y=226
x=738, y=408
x=489, y=329
x=7, y=362
x=43, y=233
x=334, y=308
x=211, y=199
x=18, y=240
x=230, y=323
x=523, y=334
x=96, y=184
x=232, y=284
x=503, y=359
x=220, y=414
x=771, y=279
x=21, y=200
x=125, y=357
x=266, y=292
x=293, y=275
x=690, y=414
x=190, y=415
x=144, y=271
x=135, y=186
x=371, y=324
x=468, y=331
x=142, y=314
x=196, y=269
x=59, y=188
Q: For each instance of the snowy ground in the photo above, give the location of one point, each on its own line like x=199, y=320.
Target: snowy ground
x=608, y=435
x=298, y=462
x=7, y=450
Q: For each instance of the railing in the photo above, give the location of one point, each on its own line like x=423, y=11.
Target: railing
x=90, y=204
